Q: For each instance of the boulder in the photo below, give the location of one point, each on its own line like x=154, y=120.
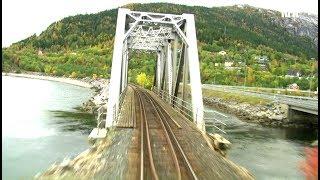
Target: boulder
x=315, y=143
x=220, y=143
x=276, y=117
x=98, y=133
x=261, y=114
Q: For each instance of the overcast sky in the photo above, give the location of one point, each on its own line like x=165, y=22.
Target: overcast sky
x=21, y=18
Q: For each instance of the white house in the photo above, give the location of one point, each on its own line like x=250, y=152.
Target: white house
x=40, y=53
x=294, y=86
x=293, y=73
x=228, y=64
x=262, y=59
x=222, y=53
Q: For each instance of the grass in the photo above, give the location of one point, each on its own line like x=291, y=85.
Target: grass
x=285, y=92
x=230, y=96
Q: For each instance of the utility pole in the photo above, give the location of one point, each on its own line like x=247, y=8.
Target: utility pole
x=309, y=86
x=245, y=73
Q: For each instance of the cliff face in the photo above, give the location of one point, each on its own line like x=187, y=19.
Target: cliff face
x=302, y=24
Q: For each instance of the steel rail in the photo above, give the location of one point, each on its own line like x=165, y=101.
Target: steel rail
x=176, y=142
x=141, y=136
x=174, y=155
x=144, y=120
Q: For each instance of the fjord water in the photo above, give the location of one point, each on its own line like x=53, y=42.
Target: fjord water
x=268, y=153
x=33, y=137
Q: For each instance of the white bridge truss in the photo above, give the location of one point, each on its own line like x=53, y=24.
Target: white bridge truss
x=173, y=38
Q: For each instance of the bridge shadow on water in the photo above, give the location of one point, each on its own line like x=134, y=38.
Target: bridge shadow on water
x=265, y=151
x=73, y=121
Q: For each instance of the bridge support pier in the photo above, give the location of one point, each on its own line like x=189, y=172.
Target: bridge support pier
x=301, y=117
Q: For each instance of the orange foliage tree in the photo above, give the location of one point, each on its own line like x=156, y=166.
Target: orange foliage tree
x=310, y=165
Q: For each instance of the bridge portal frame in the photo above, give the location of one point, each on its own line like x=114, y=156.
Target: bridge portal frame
x=133, y=31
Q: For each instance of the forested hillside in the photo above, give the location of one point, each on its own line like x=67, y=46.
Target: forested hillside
x=82, y=45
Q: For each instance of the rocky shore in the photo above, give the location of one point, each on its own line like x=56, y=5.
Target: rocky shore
x=270, y=115
x=100, y=97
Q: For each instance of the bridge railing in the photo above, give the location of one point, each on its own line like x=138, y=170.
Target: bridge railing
x=122, y=97
x=185, y=108
x=250, y=89
x=101, y=110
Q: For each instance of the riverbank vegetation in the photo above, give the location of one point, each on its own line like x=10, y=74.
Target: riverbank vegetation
x=143, y=81
x=230, y=96
x=82, y=45
x=237, y=97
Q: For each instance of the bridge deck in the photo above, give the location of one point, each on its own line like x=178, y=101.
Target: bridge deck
x=118, y=156
x=205, y=162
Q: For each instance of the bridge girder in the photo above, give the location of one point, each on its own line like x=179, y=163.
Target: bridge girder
x=168, y=35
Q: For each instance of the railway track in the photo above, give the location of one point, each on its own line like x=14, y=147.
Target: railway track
x=161, y=156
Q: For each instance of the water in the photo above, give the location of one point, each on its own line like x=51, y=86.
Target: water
x=33, y=136
x=268, y=153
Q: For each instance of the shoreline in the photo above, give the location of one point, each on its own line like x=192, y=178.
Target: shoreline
x=76, y=82
x=100, y=85
x=274, y=115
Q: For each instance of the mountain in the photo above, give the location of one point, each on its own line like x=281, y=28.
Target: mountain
x=301, y=24
x=82, y=45
x=246, y=23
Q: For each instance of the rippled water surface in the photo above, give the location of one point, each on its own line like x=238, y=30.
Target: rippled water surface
x=33, y=135
x=268, y=153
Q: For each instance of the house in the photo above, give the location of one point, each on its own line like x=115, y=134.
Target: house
x=264, y=67
x=217, y=64
x=294, y=86
x=242, y=64
x=262, y=60
x=222, y=53
x=228, y=64
x=40, y=53
x=293, y=73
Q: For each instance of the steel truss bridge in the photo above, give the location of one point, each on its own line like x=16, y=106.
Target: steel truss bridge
x=173, y=39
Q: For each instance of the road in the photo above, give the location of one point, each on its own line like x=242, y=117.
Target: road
x=304, y=102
